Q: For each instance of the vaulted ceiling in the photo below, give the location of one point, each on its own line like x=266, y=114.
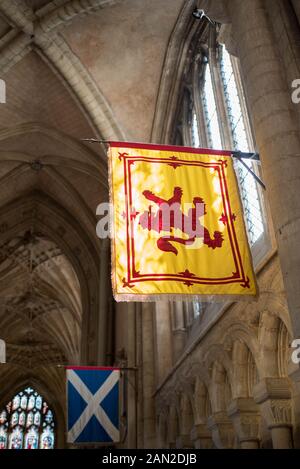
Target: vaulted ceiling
x=73, y=70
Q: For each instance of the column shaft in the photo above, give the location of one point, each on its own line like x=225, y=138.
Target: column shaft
x=277, y=134
x=149, y=425
x=163, y=339
x=103, y=304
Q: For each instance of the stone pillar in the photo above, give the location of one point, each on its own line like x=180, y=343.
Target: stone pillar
x=274, y=398
x=139, y=377
x=240, y=360
x=172, y=426
x=103, y=303
x=186, y=422
x=222, y=430
x=245, y=417
x=277, y=134
x=201, y=437
x=131, y=377
x=179, y=330
x=295, y=376
x=121, y=329
x=162, y=432
x=163, y=339
x=148, y=380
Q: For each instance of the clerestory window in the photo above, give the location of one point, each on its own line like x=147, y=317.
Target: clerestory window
x=219, y=119
x=228, y=130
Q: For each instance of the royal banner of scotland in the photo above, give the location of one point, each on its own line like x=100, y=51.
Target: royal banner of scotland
x=177, y=225
x=93, y=404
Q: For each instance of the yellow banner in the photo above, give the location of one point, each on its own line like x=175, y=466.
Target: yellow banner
x=177, y=227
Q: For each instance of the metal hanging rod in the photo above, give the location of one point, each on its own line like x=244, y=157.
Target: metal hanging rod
x=250, y=156
x=121, y=368
x=239, y=155
x=246, y=156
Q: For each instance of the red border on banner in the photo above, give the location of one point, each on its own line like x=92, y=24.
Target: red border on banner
x=150, y=146
x=133, y=276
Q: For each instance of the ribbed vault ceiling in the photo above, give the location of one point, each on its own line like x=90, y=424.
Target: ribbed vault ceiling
x=73, y=70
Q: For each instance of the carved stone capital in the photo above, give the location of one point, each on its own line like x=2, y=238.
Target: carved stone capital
x=245, y=416
x=274, y=397
x=272, y=388
x=222, y=430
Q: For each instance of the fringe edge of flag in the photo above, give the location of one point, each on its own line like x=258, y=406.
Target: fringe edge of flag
x=132, y=297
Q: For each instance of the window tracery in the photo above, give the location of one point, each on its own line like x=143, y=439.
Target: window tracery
x=27, y=422
x=213, y=112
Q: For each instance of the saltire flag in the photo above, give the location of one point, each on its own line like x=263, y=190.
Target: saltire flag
x=177, y=225
x=93, y=404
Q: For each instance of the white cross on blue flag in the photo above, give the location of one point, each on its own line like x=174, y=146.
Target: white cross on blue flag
x=93, y=404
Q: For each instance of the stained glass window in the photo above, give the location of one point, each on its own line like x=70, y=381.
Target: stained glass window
x=27, y=422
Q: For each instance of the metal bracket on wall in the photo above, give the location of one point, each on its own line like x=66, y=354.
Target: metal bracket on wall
x=240, y=156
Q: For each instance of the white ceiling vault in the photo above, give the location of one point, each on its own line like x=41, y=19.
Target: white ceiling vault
x=73, y=69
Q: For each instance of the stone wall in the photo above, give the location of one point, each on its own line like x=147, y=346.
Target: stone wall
x=235, y=385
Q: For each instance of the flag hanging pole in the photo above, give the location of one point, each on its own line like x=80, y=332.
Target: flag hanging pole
x=246, y=156
x=239, y=155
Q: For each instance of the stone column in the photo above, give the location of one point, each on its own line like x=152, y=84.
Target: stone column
x=179, y=330
x=131, y=377
x=163, y=339
x=186, y=420
x=222, y=430
x=139, y=376
x=277, y=134
x=162, y=431
x=274, y=398
x=173, y=426
x=245, y=416
x=295, y=376
x=200, y=434
x=201, y=437
x=103, y=303
x=148, y=380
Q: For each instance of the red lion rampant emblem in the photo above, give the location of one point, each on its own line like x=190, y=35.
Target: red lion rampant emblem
x=170, y=216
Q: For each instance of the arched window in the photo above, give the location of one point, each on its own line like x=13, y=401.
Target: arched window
x=215, y=115
x=27, y=422
x=213, y=110
x=242, y=140
x=236, y=129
